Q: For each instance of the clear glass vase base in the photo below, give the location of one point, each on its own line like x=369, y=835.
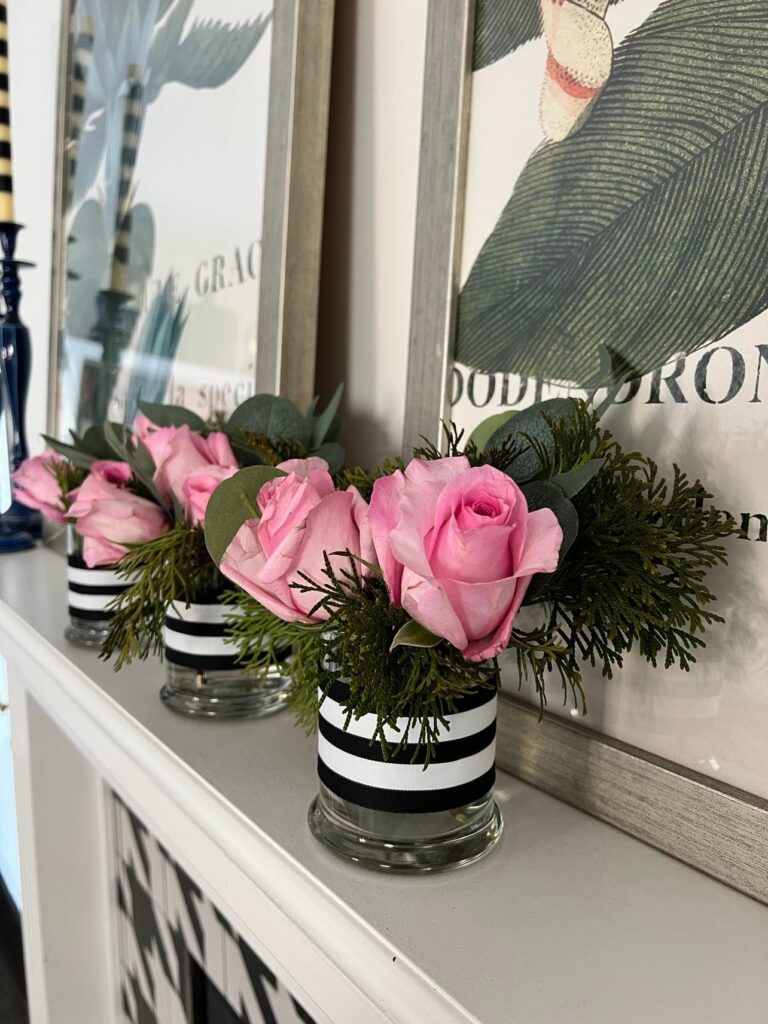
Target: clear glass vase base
x=223, y=694
x=89, y=633
x=406, y=843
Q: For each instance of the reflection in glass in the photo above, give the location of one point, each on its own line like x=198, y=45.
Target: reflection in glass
x=123, y=316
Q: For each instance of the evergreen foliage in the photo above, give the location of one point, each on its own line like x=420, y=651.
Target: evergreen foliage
x=175, y=567
x=634, y=578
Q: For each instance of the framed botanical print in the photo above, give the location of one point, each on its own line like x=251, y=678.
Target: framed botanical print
x=591, y=221
x=189, y=204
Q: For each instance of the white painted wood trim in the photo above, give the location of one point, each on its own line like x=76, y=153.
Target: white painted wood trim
x=334, y=958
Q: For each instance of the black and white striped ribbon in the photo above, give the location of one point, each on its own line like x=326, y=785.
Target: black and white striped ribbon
x=460, y=771
x=195, y=636
x=91, y=590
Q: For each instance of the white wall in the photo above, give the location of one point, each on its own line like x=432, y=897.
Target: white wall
x=373, y=155
x=33, y=34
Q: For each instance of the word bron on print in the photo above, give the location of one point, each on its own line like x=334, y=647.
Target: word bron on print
x=721, y=375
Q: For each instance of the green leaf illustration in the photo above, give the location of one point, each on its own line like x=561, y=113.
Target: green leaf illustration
x=644, y=231
x=503, y=25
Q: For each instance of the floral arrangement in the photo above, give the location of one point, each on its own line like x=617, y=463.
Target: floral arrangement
x=137, y=497
x=407, y=582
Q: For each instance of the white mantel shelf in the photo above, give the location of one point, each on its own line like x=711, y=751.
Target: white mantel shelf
x=569, y=921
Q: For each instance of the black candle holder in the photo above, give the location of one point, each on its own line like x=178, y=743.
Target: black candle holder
x=115, y=322
x=20, y=527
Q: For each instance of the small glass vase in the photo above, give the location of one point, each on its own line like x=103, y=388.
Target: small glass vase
x=203, y=677
x=90, y=591
x=397, y=815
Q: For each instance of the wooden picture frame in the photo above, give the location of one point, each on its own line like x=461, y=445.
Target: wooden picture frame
x=712, y=826
x=296, y=135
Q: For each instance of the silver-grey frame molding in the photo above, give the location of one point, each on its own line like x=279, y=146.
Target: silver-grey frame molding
x=714, y=827
x=300, y=78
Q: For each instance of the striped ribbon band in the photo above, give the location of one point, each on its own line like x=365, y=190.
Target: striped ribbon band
x=91, y=590
x=461, y=768
x=196, y=637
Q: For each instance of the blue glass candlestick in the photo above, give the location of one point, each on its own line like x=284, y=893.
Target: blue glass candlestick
x=20, y=527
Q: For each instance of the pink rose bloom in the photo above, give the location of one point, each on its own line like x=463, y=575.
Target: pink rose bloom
x=155, y=439
x=189, y=466
x=35, y=485
x=198, y=488
x=108, y=516
x=303, y=517
x=458, y=547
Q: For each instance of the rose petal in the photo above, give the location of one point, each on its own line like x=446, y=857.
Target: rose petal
x=544, y=535
x=383, y=515
x=427, y=603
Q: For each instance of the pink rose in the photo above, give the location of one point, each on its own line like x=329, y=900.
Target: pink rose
x=458, y=547
x=183, y=457
x=35, y=485
x=303, y=517
x=198, y=488
x=155, y=439
x=108, y=516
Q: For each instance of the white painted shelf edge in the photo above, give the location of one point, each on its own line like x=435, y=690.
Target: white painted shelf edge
x=305, y=921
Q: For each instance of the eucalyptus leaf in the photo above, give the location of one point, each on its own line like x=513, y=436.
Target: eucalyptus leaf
x=574, y=480
x=333, y=454
x=545, y=494
x=484, y=430
x=333, y=433
x=634, y=231
x=233, y=503
x=93, y=442
x=143, y=466
x=171, y=416
x=276, y=417
x=324, y=422
x=413, y=634
x=531, y=423
x=116, y=437
x=310, y=413
x=68, y=451
x=246, y=456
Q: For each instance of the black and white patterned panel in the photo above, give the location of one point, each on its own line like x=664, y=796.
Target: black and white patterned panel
x=178, y=954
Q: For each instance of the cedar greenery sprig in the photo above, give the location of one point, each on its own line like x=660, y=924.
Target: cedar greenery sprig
x=68, y=477
x=420, y=684
x=636, y=574
x=270, y=451
x=261, y=638
x=175, y=567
